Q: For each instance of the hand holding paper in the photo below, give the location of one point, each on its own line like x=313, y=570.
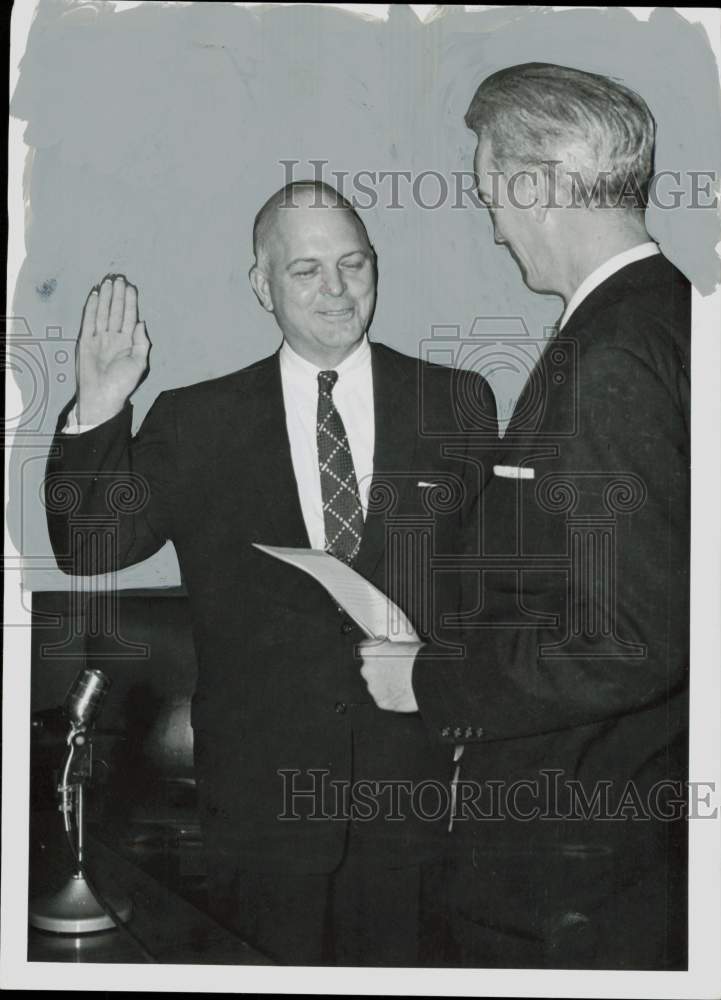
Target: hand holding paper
x=387, y=670
x=392, y=643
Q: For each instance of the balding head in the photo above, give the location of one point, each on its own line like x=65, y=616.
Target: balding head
x=314, y=195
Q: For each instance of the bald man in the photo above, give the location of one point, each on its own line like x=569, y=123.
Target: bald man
x=319, y=850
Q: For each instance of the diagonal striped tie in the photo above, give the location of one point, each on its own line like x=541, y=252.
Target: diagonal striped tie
x=342, y=510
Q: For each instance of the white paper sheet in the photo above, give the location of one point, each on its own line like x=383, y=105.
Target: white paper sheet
x=369, y=608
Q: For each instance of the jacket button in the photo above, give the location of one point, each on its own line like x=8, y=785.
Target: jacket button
x=345, y=628
x=340, y=707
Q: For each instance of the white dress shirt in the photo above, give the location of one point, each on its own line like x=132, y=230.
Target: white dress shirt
x=609, y=267
x=353, y=398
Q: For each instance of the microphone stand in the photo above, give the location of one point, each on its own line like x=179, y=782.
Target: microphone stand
x=75, y=909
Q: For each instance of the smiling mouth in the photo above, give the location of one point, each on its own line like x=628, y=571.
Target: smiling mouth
x=336, y=313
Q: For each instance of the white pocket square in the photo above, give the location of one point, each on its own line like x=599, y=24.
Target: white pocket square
x=514, y=471
x=422, y=482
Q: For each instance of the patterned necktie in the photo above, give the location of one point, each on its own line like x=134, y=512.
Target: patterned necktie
x=342, y=510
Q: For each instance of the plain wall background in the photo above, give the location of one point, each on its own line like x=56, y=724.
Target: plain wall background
x=155, y=134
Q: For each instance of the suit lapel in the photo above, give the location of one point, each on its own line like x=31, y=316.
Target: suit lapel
x=395, y=407
x=271, y=466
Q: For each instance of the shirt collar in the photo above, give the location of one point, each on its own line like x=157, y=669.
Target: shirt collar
x=609, y=267
x=293, y=364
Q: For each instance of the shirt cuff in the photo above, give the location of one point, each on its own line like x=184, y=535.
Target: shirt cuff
x=73, y=427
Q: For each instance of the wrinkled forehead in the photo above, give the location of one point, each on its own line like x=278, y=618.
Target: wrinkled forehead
x=311, y=228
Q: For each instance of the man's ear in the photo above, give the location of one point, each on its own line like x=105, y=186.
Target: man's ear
x=261, y=286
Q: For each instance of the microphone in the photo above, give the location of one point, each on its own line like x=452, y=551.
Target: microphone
x=78, y=908
x=83, y=700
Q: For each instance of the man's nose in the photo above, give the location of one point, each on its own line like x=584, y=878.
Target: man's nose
x=333, y=283
x=498, y=237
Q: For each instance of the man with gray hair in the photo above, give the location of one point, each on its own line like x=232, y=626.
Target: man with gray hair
x=571, y=701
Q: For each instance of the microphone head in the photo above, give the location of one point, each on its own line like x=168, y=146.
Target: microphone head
x=85, y=697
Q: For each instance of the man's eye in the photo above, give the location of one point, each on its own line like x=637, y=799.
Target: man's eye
x=355, y=264
x=303, y=274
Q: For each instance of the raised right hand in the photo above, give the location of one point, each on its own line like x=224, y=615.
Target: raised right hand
x=112, y=351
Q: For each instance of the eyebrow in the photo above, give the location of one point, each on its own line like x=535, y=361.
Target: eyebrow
x=314, y=260
x=303, y=260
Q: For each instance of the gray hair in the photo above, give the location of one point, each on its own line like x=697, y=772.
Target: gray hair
x=533, y=112
x=267, y=217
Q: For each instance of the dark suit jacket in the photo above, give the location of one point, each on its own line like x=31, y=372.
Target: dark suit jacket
x=279, y=687
x=577, y=652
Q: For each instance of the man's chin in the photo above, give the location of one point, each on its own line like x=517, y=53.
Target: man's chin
x=340, y=335
x=533, y=282
x=537, y=285
x=344, y=338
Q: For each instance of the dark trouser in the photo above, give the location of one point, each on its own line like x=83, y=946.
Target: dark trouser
x=554, y=907
x=363, y=914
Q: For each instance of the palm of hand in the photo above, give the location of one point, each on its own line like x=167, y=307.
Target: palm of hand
x=112, y=352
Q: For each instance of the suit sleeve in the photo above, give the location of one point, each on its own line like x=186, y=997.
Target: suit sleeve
x=481, y=446
x=507, y=684
x=480, y=449
x=109, y=497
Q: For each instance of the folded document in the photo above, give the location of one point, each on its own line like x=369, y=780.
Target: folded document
x=369, y=608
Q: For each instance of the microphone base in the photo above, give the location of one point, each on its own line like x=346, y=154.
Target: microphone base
x=74, y=910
